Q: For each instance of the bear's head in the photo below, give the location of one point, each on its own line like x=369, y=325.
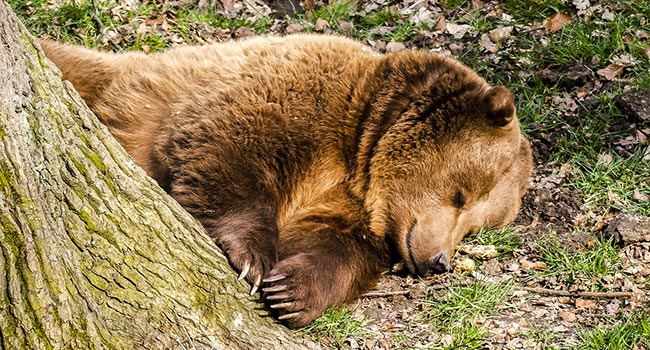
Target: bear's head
x=447, y=159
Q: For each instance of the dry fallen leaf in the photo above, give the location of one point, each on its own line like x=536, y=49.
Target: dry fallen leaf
x=557, y=22
x=581, y=4
x=457, y=30
x=442, y=24
x=612, y=308
x=586, y=304
x=487, y=44
x=536, y=265
x=641, y=197
x=611, y=72
x=321, y=25
x=606, y=158
x=608, y=15
x=568, y=316
x=501, y=33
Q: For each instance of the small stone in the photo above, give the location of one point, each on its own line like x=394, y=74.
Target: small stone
x=636, y=104
x=456, y=49
x=321, y=25
x=294, y=28
x=244, y=32
x=629, y=228
x=395, y=47
x=345, y=26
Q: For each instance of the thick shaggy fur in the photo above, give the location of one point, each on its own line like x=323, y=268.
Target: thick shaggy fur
x=312, y=162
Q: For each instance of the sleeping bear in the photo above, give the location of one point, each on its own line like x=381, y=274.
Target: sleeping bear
x=313, y=163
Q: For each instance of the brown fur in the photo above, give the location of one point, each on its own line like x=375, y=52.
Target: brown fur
x=311, y=160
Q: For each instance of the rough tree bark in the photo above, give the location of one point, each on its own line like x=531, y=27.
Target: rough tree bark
x=93, y=254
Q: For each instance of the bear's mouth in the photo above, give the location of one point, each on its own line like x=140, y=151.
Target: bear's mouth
x=409, y=239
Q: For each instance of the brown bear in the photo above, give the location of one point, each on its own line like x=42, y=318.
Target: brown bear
x=312, y=162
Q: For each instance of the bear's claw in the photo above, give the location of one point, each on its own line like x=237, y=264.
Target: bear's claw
x=282, y=305
x=288, y=316
x=274, y=289
x=293, y=293
x=244, y=271
x=256, y=285
x=278, y=296
x=274, y=278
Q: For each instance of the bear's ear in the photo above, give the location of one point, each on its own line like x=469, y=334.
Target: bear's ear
x=500, y=106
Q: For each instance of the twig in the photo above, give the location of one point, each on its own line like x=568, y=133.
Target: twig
x=386, y=294
x=564, y=293
x=101, y=28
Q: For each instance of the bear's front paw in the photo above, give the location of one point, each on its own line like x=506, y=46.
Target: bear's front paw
x=252, y=258
x=295, y=291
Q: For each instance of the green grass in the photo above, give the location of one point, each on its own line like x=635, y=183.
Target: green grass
x=548, y=339
x=587, y=266
x=336, y=325
x=336, y=10
x=380, y=17
x=630, y=333
x=613, y=185
x=75, y=20
x=607, y=184
x=505, y=240
x=528, y=11
x=459, y=310
x=83, y=22
x=587, y=40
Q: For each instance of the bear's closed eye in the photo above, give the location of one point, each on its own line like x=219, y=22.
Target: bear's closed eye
x=459, y=199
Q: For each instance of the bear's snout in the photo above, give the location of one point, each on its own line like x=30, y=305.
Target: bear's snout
x=440, y=263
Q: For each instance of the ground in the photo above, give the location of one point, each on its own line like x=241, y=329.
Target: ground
x=574, y=269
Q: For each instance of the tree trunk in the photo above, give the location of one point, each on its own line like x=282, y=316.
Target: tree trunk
x=93, y=254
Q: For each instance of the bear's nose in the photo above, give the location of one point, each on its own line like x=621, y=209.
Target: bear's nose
x=440, y=263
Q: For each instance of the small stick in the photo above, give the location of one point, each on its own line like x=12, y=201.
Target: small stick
x=96, y=17
x=564, y=293
x=385, y=294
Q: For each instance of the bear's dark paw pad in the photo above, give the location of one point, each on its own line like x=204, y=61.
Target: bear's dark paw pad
x=290, y=291
x=251, y=262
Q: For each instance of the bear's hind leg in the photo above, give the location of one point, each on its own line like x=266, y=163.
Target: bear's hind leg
x=325, y=260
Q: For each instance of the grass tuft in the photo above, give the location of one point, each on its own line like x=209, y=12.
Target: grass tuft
x=335, y=326
x=505, y=239
x=459, y=311
x=595, y=262
x=630, y=333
